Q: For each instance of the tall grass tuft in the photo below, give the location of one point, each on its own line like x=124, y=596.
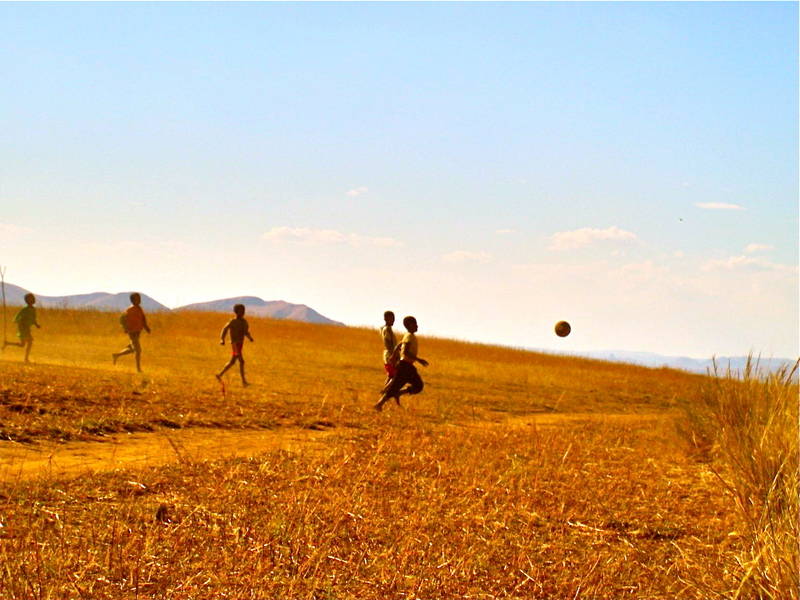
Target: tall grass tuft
x=746, y=423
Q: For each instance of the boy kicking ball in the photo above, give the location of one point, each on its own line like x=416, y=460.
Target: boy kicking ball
x=239, y=329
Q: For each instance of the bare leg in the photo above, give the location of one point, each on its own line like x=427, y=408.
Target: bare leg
x=138, y=361
x=241, y=371
x=388, y=395
x=226, y=367
x=385, y=386
x=392, y=390
x=379, y=404
x=20, y=344
x=28, y=350
x=116, y=355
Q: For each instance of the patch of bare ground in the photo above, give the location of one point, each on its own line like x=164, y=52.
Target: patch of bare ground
x=57, y=461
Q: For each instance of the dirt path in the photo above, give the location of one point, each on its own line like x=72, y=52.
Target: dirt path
x=50, y=460
x=57, y=461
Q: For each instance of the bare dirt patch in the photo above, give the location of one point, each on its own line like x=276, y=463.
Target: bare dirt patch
x=58, y=461
x=63, y=460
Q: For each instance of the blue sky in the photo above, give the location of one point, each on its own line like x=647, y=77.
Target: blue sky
x=491, y=168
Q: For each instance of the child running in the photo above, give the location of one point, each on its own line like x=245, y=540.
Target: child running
x=239, y=330
x=406, y=371
x=133, y=322
x=25, y=319
x=389, y=344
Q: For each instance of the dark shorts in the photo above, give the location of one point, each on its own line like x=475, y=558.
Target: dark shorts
x=134, y=336
x=24, y=335
x=236, y=348
x=406, y=374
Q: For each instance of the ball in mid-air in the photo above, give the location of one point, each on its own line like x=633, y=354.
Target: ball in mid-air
x=563, y=329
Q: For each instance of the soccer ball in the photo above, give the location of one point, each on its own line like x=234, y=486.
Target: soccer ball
x=563, y=329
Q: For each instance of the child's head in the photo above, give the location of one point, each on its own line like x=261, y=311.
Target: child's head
x=136, y=298
x=388, y=318
x=30, y=299
x=410, y=323
x=239, y=310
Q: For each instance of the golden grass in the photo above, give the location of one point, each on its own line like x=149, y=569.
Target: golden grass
x=513, y=475
x=747, y=423
x=400, y=512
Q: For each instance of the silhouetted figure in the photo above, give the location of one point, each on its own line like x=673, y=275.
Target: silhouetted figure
x=406, y=371
x=239, y=329
x=389, y=345
x=133, y=322
x=25, y=320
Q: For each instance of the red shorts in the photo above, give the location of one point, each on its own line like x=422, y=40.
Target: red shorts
x=391, y=370
x=236, y=349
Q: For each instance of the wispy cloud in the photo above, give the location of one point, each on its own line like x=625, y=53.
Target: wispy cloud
x=357, y=191
x=753, y=248
x=504, y=231
x=304, y=235
x=465, y=256
x=566, y=240
x=718, y=206
x=745, y=262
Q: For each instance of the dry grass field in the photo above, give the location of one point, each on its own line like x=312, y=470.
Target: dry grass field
x=513, y=475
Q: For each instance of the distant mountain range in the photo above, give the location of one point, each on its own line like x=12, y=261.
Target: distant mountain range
x=685, y=363
x=15, y=296
x=276, y=309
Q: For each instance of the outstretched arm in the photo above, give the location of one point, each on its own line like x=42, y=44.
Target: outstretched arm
x=223, y=334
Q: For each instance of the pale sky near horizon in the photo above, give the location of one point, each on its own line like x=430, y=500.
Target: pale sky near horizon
x=491, y=168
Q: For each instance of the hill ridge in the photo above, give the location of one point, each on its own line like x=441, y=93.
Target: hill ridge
x=106, y=301
x=276, y=309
